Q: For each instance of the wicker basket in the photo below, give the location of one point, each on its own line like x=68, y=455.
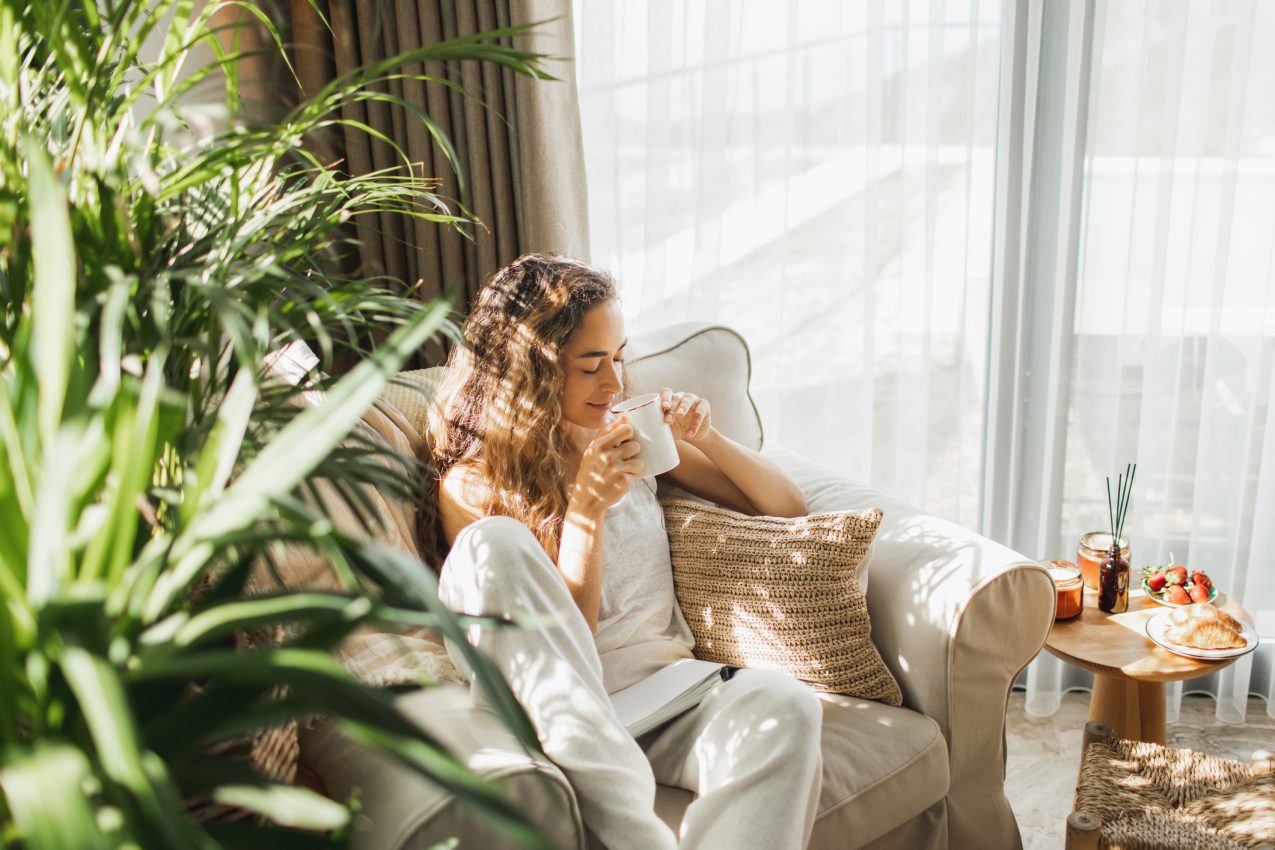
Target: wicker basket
x=1133, y=795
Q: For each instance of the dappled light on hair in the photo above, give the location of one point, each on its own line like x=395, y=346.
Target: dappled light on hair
x=504, y=388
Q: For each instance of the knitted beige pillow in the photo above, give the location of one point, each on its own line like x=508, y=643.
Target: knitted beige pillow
x=780, y=594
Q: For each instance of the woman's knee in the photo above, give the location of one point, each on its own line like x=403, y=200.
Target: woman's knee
x=494, y=536
x=779, y=697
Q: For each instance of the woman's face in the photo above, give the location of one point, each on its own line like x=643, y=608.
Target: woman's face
x=592, y=359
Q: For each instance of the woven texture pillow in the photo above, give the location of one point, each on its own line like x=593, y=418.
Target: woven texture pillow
x=780, y=594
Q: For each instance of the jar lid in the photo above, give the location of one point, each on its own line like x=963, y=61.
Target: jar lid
x=1101, y=540
x=1062, y=572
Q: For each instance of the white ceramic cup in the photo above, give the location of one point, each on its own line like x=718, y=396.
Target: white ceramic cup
x=645, y=416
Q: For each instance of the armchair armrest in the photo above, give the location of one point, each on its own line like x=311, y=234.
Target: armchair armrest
x=403, y=811
x=956, y=617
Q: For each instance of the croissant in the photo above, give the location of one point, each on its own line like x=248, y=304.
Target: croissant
x=1205, y=633
x=1204, y=611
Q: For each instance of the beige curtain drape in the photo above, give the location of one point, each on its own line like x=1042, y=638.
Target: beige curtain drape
x=521, y=157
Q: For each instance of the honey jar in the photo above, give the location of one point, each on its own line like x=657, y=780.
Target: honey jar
x=1095, y=547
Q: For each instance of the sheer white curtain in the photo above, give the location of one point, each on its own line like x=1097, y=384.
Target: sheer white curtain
x=1174, y=315
x=985, y=253
x=818, y=176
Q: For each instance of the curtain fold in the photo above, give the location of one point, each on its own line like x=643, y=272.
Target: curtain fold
x=517, y=140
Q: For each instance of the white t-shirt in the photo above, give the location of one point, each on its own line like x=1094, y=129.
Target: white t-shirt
x=640, y=626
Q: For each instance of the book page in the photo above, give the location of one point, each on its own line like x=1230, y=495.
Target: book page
x=665, y=694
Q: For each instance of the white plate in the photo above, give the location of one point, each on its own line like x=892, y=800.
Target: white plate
x=1155, y=631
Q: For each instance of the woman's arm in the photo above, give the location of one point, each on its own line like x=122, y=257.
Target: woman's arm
x=716, y=468
x=607, y=469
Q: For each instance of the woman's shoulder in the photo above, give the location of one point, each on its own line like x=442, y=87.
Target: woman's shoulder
x=466, y=481
x=462, y=497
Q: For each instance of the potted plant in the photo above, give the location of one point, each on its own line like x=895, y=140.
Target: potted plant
x=144, y=458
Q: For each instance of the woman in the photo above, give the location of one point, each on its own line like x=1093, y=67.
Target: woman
x=546, y=514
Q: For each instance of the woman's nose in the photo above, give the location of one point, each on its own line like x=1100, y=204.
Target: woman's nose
x=615, y=379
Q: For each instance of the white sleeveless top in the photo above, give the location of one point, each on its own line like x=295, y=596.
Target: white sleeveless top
x=640, y=627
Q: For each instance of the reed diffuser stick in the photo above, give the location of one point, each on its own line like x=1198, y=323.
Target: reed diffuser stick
x=1125, y=495
x=1113, y=573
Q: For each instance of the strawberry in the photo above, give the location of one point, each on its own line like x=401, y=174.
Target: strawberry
x=1178, y=595
x=1156, y=581
x=1198, y=577
x=1199, y=593
x=1176, y=574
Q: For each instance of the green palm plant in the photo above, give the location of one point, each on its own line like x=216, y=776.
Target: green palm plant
x=145, y=456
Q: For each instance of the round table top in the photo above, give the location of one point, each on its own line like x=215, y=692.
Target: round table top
x=1117, y=644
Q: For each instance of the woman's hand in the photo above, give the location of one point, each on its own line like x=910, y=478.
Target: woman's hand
x=607, y=469
x=687, y=414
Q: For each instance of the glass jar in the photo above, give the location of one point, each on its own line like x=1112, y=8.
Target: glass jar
x=1067, y=585
x=1095, y=547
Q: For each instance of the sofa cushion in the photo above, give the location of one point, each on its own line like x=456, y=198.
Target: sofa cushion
x=779, y=594
x=882, y=766
x=710, y=361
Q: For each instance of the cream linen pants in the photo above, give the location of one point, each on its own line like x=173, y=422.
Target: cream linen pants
x=750, y=750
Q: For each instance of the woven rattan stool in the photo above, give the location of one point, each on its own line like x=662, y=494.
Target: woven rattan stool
x=1134, y=795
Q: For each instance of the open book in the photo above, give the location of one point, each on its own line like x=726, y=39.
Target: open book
x=664, y=695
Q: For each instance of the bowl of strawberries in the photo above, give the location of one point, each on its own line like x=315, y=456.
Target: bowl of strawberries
x=1175, y=586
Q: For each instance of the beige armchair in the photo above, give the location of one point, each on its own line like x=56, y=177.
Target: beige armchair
x=955, y=616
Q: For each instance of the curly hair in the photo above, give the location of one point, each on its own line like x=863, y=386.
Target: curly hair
x=503, y=390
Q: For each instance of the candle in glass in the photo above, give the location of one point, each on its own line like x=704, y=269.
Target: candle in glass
x=1066, y=576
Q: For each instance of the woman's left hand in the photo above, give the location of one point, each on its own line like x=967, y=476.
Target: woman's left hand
x=687, y=414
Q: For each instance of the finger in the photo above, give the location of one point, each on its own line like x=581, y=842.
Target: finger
x=667, y=400
x=685, y=403
x=629, y=449
x=613, y=435
x=699, y=418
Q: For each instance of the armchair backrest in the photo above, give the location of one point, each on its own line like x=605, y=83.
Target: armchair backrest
x=711, y=361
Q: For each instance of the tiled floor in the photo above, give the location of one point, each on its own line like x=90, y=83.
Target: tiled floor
x=1044, y=754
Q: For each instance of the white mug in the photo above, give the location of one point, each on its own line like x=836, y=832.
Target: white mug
x=645, y=415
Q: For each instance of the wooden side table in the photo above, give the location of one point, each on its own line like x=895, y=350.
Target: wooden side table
x=1129, y=668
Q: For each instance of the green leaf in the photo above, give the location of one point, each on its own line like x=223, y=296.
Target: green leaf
x=49, y=557
x=152, y=807
x=46, y=791
x=221, y=450
x=53, y=300
x=134, y=447
x=224, y=620
x=285, y=805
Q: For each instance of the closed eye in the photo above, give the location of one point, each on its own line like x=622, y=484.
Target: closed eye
x=595, y=369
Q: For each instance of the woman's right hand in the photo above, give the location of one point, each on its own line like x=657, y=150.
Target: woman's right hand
x=607, y=469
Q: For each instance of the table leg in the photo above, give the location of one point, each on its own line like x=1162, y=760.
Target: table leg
x=1135, y=710
x=1151, y=711
x=1115, y=700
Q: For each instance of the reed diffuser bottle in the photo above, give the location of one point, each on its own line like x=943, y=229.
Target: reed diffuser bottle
x=1113, y=573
